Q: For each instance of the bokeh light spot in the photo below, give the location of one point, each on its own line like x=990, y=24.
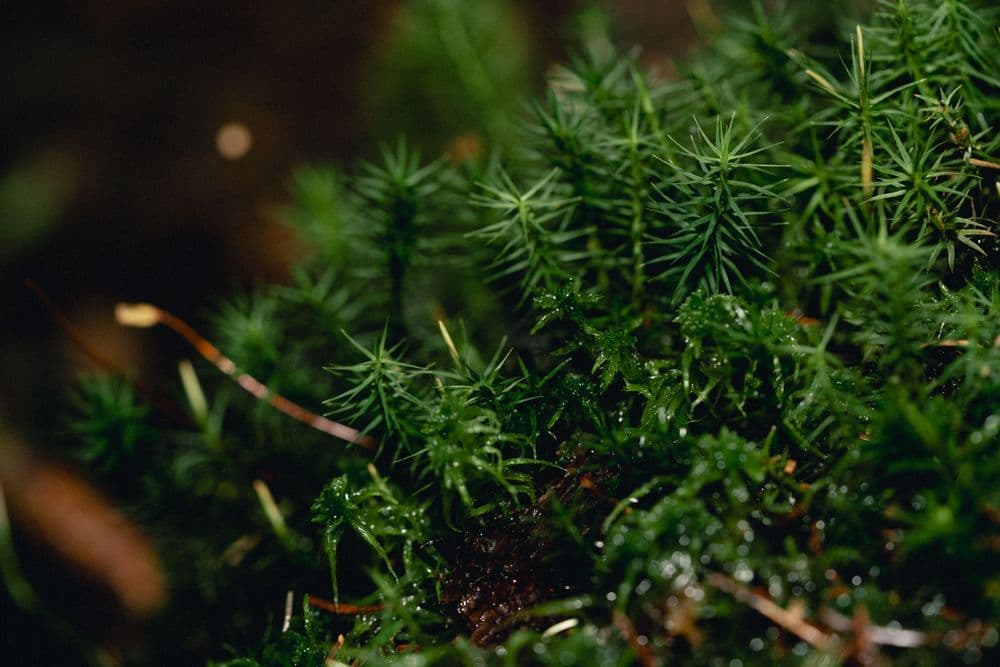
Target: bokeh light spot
x=233, y=140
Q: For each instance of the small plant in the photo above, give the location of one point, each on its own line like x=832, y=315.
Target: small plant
x=707, y=371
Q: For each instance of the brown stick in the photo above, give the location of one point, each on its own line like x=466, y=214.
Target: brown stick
x=986, y=164
x=343, y=608
x=790, y=620
x=643, y=653
x=162, y=403
x=145, y=315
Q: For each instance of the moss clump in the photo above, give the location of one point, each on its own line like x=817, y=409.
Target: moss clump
x=703, y=370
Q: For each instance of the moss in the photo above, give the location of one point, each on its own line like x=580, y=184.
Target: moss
x=704, y=372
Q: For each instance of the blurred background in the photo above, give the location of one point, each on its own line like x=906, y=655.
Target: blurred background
x=147, y=147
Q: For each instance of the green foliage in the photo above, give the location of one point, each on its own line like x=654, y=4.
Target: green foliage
x=750, y=406
x=711, y=212
x=448, y=68
x=531, y=232
x=110, y=424
x=372, y=512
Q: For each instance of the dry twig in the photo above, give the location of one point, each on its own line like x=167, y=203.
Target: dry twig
x=146, y=315
x=342, y=608
x=790, y=619
x=643, y=653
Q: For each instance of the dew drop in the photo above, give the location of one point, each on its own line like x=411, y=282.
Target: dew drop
x=743, y=573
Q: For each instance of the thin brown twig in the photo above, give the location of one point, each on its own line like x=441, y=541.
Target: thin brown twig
x=789, y=619
x=146, y=315
x=986, y=164
x=643, y=653
x=792, y=620
x=960, y=342
x=343, y=608
x=162, y=403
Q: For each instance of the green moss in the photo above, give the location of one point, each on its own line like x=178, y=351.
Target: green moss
x=731, y=333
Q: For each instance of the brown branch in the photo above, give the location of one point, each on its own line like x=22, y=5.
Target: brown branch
x=146, y=315
x=343, y=608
